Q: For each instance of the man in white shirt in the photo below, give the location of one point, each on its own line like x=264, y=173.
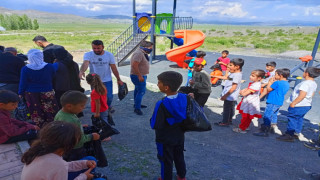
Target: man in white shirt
x=102, y=63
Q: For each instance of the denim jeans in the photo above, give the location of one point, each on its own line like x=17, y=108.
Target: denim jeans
x=108, y=85
x=295, y=119
x=228, y=111
x=271, y=114
x=187, y=84
x=139, y=90
x=104, y=116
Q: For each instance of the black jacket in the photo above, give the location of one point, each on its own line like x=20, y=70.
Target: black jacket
x=10, y=68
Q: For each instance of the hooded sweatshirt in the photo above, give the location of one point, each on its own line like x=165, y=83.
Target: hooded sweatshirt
x=167, y=117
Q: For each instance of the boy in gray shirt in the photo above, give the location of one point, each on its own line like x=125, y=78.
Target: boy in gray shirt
x=231, y=90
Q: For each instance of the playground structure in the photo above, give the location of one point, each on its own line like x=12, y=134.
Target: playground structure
x=306, y=61
x=153, y=25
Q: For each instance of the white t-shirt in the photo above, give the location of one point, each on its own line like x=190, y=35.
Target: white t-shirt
x=308, y=86
x=266, y=80
x=100, y=64
x=234, y=78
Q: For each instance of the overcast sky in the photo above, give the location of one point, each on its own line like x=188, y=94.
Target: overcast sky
x=229, y=10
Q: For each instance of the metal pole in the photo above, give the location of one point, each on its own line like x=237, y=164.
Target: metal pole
x=153, y=38
x=173, y=20
x=315, y=48
x=134, y=17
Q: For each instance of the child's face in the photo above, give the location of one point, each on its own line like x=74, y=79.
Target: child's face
x=270, y=68
x=9, y=106
x=224, y=55
x=198, y=67
x=161, y=87
x=254, y=77
x=232, y=68
x=277, y=76
x=75, y=109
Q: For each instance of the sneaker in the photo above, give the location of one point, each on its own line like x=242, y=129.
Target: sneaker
x=261, y=133
x=238, y=130
x=286, y=138
x=111, y=110
x=138, y=112
x=313, y=146
x=222, y=124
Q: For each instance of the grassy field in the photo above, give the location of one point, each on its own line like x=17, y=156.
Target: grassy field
x=77, y=37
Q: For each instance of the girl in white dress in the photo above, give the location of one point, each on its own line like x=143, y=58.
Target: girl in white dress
x=249, y=107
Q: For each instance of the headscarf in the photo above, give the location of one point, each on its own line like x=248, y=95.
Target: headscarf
x=63, y=56
x=35, y=57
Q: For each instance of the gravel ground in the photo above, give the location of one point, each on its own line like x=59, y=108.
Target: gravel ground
x=217, y=154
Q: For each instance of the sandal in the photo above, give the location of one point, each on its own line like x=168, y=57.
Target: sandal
x=238, y=130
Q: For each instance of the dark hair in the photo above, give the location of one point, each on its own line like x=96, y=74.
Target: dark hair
x=225, y=51
x=39, y=38
x=97, y=42
x=201, y=54
x=96, y=83
x=7, y=96
x=283, y=72
x=237, y=62
x=73, y=97
x=259, y=73
x=272, y=63
x=10, y=49
x=146, y=44
x=313, y=72
x=1, y=48
x=171, y=78
x=53, y=136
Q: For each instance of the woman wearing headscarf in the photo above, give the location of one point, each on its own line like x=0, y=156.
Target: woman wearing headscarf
x=36, y=87
x=66, y=77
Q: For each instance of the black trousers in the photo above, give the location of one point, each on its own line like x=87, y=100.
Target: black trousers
x=29, y=135
x=228, y=111
x=201, y=98
x=167, y=154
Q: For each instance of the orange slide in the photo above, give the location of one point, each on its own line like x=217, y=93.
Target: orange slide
x=192, y=40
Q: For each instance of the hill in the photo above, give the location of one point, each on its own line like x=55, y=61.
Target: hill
x=47, y=17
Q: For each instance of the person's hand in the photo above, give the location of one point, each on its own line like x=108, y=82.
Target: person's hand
x=272, y=80
x=220, y=62
x=191, y=95
x=223, y=98
x=91, y=164
x=82, y=75
x=95, y=136
x=36, y=127
x=191, y=81
x=85, y=125
x=141, y=79
x=120, y=83
x=292, y=105
x=88, y=174
x=96, y=115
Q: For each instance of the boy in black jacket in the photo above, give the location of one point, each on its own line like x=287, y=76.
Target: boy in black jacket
x=166, y=120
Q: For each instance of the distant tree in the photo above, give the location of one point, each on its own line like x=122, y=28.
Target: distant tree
x=15, y=22
x=35, y=24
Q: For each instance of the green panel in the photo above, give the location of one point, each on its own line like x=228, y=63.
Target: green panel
x=164, y=16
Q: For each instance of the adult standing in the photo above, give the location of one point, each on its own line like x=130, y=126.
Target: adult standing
x=48, y=48
x=36, y=87
x=102, y=63
x=138, y=74
x=10, y=69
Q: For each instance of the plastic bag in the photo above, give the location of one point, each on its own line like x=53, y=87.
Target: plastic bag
x=122, y=91
x=104, y=129
x=187, y=90
x=21, y=112
x=196, y=119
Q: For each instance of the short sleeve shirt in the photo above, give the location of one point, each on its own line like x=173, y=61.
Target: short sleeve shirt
x=233, y=78
x=280, y=89
x=143, y=66
x=103, y=101
x=272, y=74
x=100, y=64
x=308, y=86
x=224, y=60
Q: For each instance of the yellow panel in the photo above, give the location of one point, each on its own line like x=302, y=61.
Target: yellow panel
x=145, y=23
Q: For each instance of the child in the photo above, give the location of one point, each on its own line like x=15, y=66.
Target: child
x=12, y=130
x=200, y=54
x=72, y=103
x=98, y=97
x=166, y=120
x=200, y=82
x=277, y=87
x=224, y=60
x=44, y=159
x=300, y=103
x=249, y=107
x=231, y=90
x=271, y=70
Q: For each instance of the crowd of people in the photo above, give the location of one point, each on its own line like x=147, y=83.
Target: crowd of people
x=47, y=83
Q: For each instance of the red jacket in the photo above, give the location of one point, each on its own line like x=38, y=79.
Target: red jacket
x=11, y=127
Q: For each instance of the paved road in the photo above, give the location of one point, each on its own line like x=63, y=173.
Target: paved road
x=251, y=63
